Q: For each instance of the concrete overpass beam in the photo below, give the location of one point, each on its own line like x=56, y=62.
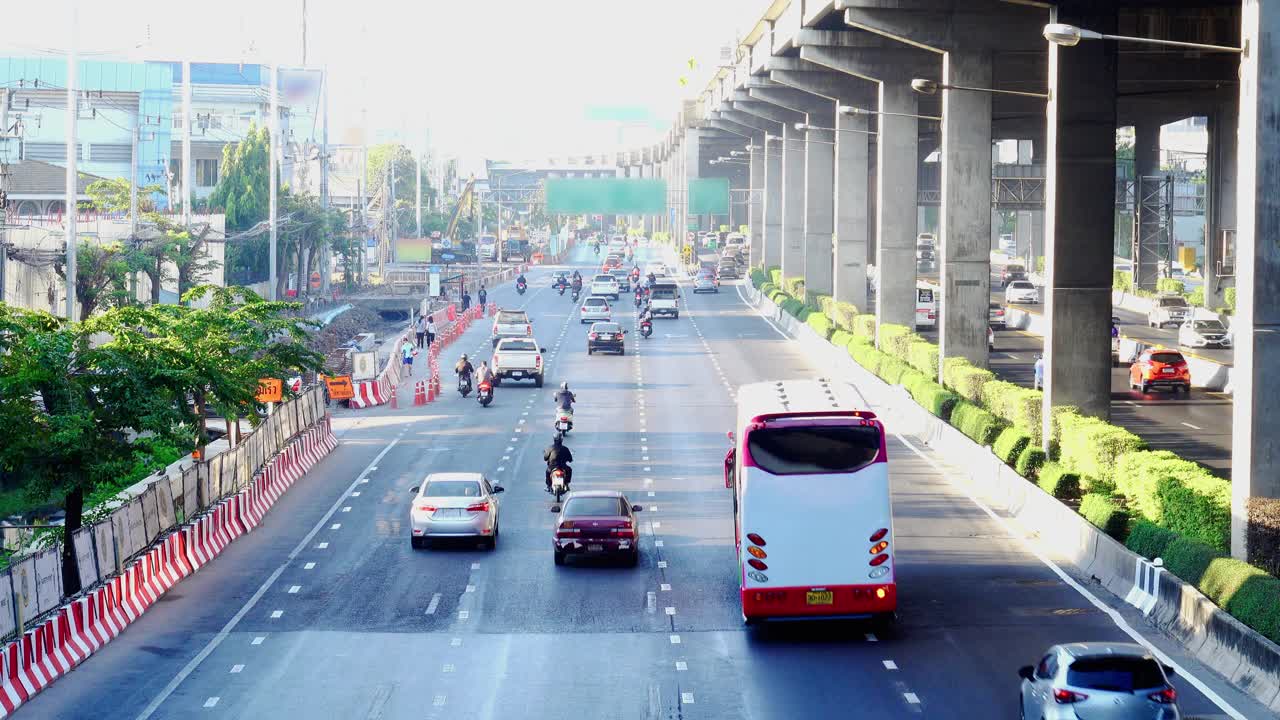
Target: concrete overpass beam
x=1255, y=444
x=966, y=209
x=1146, y=164
x=1080, y=207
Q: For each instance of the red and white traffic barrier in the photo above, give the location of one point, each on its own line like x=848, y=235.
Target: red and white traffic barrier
x=12, y=691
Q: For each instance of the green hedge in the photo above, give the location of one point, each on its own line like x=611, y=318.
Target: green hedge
x=1092, y=448
x=867, y=356
x=966, y=379
x=1246, y=592
x=1058, y=481
x=1104, y=513
x=1121, y=280
x=892, y=369
x=1229, y=296
x=933, y=397
x=826, y=304
x=840, y=338
x=1170, y=285
x=923, y=356
x=896, y=339
x=775, y=275
x=1016, y=405
x=821, y=324
x=1177, y=494
x=1030, y=461
x=1010, y=444
x=843, y=315
x=1195, y=298
x=1148, y=539
x=1188, y=559
x=792, y=306
x=864, y=326
x=758, y=278
x=979, y=425
x=794, y=286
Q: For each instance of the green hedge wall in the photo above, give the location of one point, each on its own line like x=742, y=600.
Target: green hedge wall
x=979, y=425
x=864, y=326
x=1148, y=539
x=896, y=339
x=923, y=356
x=1058, y=481
x=932, y=396
x=1177, y=494
x=1092, y=448
x=966, y=379
x=1104, y=513
x=775, y=276
x=1010, y=444
x=821, y=324
x=1030, y=461
x=843, y=315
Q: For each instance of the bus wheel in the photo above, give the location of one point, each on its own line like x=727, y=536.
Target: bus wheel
x=884, y=621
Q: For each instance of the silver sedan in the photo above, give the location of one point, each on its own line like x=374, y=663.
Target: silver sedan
x=455, y=505
x=1111, y=680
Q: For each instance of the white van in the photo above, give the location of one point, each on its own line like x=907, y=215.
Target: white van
x=926, y=305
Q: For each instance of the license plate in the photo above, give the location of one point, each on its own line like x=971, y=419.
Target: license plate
x=517, y=373
x=606, y=337
x=595, y=548
x=1167, y=371
x=449, y=513
x=819, y=597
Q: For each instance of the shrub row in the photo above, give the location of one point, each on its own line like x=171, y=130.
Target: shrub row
x=1009, y=445
x=979, y=425
x=1058, y=481
x=1030, y=461
x=1092, y=448
x=1016, y=405
x=1103, y=512
x=1177, y=494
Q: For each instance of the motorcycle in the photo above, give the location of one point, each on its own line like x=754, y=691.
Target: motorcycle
x=484, y=395
x=558, y=485
x=646, y=328
x=464, y=386
x=597, y=249
x=521, y=287
x=561, y=288
x=576, y=293
x=639, y=297
x=564, y=421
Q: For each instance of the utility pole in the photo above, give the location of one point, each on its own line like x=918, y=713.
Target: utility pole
x=186, y=144
x=417, y=203
x=273, y=125
x=304, y=33
x=70, y=202
x=325, y=271
x=4, y=172
x=362, y=188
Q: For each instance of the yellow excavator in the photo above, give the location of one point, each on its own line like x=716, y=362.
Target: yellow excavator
x=463, y=207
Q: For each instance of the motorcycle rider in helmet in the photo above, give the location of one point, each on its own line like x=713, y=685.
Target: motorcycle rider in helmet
x=464, y=369
x=558, y=456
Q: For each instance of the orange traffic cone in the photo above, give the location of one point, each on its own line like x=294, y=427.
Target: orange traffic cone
x=395, y=398
x=420, y=393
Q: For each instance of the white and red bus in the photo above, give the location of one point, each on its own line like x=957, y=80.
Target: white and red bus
x=812, y=514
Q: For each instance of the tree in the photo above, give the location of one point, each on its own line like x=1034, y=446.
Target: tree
x=112, y=195
x=102, y=276
x=71, y=413
x=406, y=167
x=243, y=195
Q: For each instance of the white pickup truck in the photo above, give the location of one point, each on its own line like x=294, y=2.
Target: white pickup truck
x=518, y=359
x=664, y=299
x=511, y=324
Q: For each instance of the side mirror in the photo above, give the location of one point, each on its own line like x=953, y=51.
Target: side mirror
x=542, y=349
x=1027, y=672
x=729, y=435
x=624, y=332
x=414, y=489
x=497, y=489
x=637, y=508
x=1168, y=671
x=555, y=508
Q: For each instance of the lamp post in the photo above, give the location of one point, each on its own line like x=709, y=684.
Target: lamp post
x=931, y=87
x=1070, y=36
x=851, y=110
x=806, y=126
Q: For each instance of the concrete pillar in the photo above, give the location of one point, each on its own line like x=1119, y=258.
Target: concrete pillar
x=773, y=179
x=1146, y=163
x=966, y=209
x=755, y=220
x=1255, y=444
x=819, y=214
x=1080, y=207
x=793, y=209
x=852, y=224
x=1223, y=170
x=896, y=163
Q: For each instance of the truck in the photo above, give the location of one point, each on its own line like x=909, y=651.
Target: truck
x=664, y=299
x=518, y=359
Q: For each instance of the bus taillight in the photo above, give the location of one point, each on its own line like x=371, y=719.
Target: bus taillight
x=879, y=534
x=757, y=565
x=878, y=547
x=879, y=559
x=757, y=552
x=756, y=539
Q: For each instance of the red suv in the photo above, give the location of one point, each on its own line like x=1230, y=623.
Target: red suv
x=599, y=523
x=1159, y=367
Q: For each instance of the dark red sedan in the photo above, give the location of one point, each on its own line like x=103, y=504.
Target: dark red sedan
x=596, y=523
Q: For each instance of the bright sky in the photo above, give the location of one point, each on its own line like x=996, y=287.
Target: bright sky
x=504, y=79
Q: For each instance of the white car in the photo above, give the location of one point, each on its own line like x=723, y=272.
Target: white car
x=595, y=309
x=1168, y=310
x=657, y=268
x=1204, y=332
x=1021, y=291
x=518, y=359
x=454, y=505
x=511, y=324
x=605, y=284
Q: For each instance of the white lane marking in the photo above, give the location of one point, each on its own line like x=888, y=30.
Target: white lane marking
x=362, y=481
x=675, y=639
x=438, y=701
x=1011, y=356
x=277, y=614
x=355, y=494
x=456, y=642
x=647, y=469
x=515, y=439
x=323, y=545
x=686, y=698
x=293, y=590
x=471, y=588
x=506, y=457
x=237, y=669
x=1118, y=619
x=1193, y=427
x=434, y=604
x=226, y=630
x=662, y=564
x=657, y=525
x=309, y=566
x=652, y=493
x=653, y=508
x=664, y=587
x=475, y=566
x=648, y=481
x=447, y=668
x=871, y=637
x=650, y=601
x=501, y=468
x=764, y=317
x=890, y=665
x=911, y=698
x=346, y=509
x=464, y=614
x=657, y=543
x=212, y=701
x=258, y=640
x=646, y=457
x=682, y=665
x=336, y=526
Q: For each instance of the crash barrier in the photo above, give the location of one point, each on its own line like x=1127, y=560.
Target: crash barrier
x=180, y=521
x=1244, y=656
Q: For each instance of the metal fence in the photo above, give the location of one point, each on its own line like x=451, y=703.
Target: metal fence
x=32, y=586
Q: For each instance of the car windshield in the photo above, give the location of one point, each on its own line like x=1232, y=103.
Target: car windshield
x=518, y=346
x=1116, y=674
x=1172, y=302
x=1167, y=358
x=594, y=507
x=1021, y=285
x=451, y=488
x=507, y=317
x=1210, y=325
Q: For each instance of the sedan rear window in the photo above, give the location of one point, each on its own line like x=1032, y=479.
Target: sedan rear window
x=1167, y=358
x=1172, y=302
x=452, y=488
x=594, y=507
x=813, y=449
x=606, y=327
x=1117, y=674
x=603, y=278
x=595, y=301
x=508, y=317
x=517, y=346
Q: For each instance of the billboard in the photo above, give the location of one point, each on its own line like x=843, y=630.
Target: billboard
x=413, y=250
x=606, y=196
x=709, y=196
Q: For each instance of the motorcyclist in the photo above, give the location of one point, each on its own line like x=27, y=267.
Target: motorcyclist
x=562, y=280
x=577, y=282
x=464, y=369
x=652, y=279
x=597, y=248
x=520, y=280
x=564, y=399
x=558, y=456
x=484, y=374
x=635, y=273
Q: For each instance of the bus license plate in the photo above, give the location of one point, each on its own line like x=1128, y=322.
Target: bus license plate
x=819, y=597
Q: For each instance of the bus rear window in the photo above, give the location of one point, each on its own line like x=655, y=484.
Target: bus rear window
x=924, y=295
x=814, y=449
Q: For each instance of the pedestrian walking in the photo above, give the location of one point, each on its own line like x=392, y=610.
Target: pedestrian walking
x=407, y=351
x=1039, y=381
x=421, y=330
x=431, y=330
x=482, y=296
x=466, y=301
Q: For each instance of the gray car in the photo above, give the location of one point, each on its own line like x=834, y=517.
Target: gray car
x=454, y=505
x=1098, y=681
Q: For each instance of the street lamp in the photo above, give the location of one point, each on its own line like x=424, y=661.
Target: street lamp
x=806, y=126
x=799, y=140
x=850, y=110
x=931, y=87
x=1070, y=36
